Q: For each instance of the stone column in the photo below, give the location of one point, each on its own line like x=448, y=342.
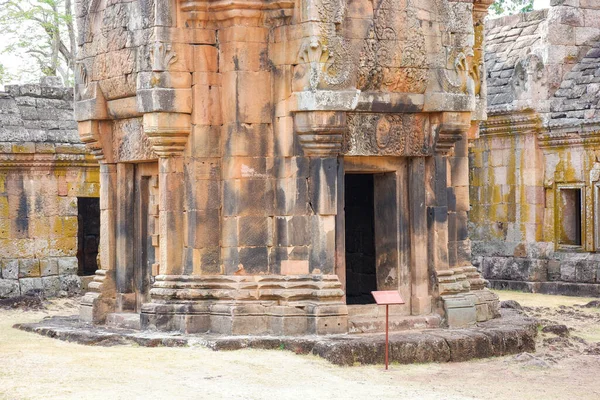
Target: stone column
x=124, y=240
x=459, y=285
x=95, y=131
x=164, y=96
x=420, y=296
x=168, y=134
x=320, y=135
x=99, y=301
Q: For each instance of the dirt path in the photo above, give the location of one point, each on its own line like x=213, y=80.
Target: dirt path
x=35, y=367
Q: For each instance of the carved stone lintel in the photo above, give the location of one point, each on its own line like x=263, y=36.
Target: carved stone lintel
x=167, y=132
x=320, y=132
x=393, y=134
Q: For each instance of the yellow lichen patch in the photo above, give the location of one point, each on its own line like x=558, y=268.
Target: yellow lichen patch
x=92, y=176
x=83, y=189
x=4, y=210
x=23, y=148
x=55, y=227
x=39, y=227
x=69, y=225
x=4, y=228
x=63, y=247
x=16, y=248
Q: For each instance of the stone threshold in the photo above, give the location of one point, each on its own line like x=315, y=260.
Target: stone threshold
x=510, y=334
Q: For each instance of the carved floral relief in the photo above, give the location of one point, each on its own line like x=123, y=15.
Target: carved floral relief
x=386, y=135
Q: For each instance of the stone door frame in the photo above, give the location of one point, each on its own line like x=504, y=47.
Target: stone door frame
x=391, y=175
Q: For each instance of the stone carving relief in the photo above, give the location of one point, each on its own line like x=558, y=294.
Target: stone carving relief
x=456, y=16
x=476, y=69
x=82, y=81
x=130, y=143
x=528, y=72
x=321, y=63
x=332, y=67
x=462, y=72
x=386, y=135
x=393, y=57
x=81, y=76
x=458, y=76
x=161, y=56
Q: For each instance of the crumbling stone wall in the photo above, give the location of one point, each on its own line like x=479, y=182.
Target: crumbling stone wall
x=540, y=140
x=43, y=169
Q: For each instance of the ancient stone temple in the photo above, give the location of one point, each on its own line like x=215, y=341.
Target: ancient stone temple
x=266, y=164
x=49, y=187
x=536, y=167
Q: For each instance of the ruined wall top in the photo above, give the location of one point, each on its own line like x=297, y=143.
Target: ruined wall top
x=38, y=113
x=529, y=58
x=578, y=97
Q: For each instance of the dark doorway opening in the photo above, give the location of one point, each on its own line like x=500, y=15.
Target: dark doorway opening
x=361, y=271
x=570, y=217
x=88, y=234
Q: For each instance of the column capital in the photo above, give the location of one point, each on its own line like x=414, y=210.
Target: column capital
x=451, y=127
x=168, y=132
x=320, y=133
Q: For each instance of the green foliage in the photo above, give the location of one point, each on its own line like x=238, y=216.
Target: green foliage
x=509, y=7
x=41, y=32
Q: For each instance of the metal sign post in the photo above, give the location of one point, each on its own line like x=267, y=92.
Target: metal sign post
x=387, y=297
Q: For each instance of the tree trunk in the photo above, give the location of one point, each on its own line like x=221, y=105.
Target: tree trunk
x=55, y=42
x=70, y=28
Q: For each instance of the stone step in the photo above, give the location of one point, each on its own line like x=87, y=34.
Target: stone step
x=85, y=282
x=397, y=323
x=123, y=320
x=376, y=323
x=374, y=310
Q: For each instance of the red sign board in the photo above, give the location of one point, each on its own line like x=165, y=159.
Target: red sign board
x=387, y=297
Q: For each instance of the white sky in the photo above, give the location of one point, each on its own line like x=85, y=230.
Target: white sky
x=16, y=62
x=537, y=4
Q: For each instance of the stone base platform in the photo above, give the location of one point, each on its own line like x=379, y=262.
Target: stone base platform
x=556, y=288
x=510, y=334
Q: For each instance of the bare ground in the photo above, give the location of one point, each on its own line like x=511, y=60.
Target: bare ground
x=36, y=367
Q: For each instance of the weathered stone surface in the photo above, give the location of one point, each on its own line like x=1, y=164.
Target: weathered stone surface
x=560, y=330
x=9, y=288
x=230, y=130
x=511, y=334
x=44, y=168
x=511, y=304
x=534, y=167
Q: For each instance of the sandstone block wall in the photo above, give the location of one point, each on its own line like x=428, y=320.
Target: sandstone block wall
x=44, y=168
x=540, y=141
x=225, y=130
